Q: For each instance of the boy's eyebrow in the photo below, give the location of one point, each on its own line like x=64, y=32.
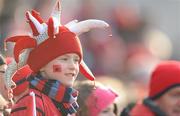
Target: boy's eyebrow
x=76, y=56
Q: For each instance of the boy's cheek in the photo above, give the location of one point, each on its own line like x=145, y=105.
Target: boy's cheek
x=57, y=68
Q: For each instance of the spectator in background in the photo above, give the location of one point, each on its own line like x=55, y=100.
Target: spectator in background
x=2, y=71
x=21, y=86
x=3, y=107
x=120, y=88
x=96, y=100
x=4, y=97
x=19, y=78
x=164, y=93
x=3, y=90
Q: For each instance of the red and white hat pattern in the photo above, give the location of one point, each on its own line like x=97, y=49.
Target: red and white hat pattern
x=51, y=37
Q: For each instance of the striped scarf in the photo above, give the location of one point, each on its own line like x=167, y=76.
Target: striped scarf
x=64, y=98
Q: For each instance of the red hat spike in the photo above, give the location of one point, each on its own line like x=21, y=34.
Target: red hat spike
x=22, y=44
x=51, y=27
x=34, y=23
x=15, y=38
x=18, y=78
x=33, y=27
x=37, y=16
x=86, y=71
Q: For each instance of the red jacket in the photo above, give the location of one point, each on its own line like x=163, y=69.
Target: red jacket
x=141, y=110
x=44, y=106
x=147, y=108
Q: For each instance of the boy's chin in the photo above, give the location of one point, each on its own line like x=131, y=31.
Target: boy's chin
x=68, y=84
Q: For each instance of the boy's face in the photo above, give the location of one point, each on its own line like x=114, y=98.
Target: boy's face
x=170, y=102
x=64, y=68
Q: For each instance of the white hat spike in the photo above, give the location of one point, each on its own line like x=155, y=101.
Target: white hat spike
x=85, y=26
x=40, y=28
x=71, y=23
x=56, y=13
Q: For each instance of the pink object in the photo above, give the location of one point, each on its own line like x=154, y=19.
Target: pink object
x=99, y=99
x=9, y=60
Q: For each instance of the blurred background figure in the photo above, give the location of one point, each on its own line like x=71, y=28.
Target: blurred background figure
x=119, y=87
x=96, y=99
x=21, y=86
x=4, y=110
x=3, y=66
x=163, y=97
x=4, y=97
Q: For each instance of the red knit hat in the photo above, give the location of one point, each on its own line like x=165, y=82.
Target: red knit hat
x=20, y=78
x=61, y=43
x=165, y=76
x=50, y=40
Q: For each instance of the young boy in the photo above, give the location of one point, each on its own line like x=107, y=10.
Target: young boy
x=55, y=57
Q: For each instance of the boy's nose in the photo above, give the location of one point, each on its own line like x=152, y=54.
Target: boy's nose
x=72, y=65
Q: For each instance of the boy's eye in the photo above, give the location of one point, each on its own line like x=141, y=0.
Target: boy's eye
x=65, y=59
x=76, y=60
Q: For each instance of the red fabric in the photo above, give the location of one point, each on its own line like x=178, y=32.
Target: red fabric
x=64, y=42
x=18, y=76
x=30, y=111
x=141, y=110
x=33, y=27
x=38, y=18
x=51, y=27
x=45, y=104
x=166, y=74
x=60, y=92
x=40, y=85
x=22, y=42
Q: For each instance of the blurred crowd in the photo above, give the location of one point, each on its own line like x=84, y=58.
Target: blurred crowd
x=122, y=56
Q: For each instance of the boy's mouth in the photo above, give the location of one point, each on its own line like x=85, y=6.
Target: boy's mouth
x=70, y=74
